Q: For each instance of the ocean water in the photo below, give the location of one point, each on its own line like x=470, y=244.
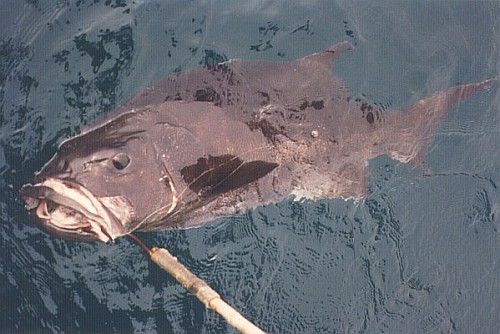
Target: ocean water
x=418, y=255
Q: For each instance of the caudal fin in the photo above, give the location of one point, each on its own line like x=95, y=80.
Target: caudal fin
x=417, y=123
x=438, y=104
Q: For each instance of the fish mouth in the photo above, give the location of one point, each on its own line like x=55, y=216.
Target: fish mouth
x=70, y=211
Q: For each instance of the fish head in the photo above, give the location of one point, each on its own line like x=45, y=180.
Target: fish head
x=101, y=183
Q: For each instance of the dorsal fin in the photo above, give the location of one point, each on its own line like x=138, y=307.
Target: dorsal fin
x=326, y=57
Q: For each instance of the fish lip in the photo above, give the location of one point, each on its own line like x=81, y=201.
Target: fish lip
x=69, y=210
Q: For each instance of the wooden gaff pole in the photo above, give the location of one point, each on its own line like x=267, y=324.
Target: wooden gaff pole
x=198, y=287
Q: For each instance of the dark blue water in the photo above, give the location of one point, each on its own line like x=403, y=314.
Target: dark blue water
x=419, y=255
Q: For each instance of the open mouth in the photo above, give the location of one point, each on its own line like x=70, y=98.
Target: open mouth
x=69, y=210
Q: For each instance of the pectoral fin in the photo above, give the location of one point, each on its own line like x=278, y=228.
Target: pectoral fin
x=215, y=175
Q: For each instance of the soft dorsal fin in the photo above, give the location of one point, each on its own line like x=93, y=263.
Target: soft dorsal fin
x=326, y=57
x=214, y=175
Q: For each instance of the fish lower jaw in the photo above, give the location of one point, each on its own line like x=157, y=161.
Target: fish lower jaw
x=70, y=211
x=70, y=224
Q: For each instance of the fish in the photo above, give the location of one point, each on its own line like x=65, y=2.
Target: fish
x=219, y=140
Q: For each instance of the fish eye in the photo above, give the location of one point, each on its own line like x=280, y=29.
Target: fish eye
x=63, y=166
x=120, y=161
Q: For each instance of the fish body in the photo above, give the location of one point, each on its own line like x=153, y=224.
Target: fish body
x=219, y=140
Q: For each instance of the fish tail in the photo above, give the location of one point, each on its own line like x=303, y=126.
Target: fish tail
x=418, y=122
x=437, y=105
